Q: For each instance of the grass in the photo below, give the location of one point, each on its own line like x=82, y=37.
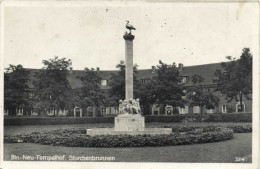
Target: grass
x=225, y=152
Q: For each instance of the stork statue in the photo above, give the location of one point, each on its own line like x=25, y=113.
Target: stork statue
x=129, y=26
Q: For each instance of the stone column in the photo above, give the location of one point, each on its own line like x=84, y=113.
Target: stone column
x=129, y=66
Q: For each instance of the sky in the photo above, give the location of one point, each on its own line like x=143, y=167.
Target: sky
x=91, y=35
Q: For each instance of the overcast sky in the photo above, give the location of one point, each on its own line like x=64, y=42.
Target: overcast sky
x=92, y=36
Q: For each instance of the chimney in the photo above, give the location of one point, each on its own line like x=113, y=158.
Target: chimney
x=153, y=69
x=98, y=69
x=71, y=70
x=180, y=66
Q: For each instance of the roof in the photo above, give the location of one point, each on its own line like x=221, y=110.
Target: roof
x=206, y=71
x=75, y=82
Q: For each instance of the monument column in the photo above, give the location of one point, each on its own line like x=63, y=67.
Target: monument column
x=129, y=66
x=129, y=120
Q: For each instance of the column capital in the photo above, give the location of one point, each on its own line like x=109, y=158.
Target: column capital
x=129, y=37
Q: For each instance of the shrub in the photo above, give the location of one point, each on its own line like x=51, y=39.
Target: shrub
x=55, y=120
x=231, y=117
x=240, y=128
x=79, y=138
x=234, y=117
x=172, y=118
x=243, y=128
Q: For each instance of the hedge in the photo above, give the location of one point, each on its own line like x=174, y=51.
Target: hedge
x=242, y=128
x=79, y=138
x=230, y=117
x=165, y=119
x=55, y=120
x=241, y=117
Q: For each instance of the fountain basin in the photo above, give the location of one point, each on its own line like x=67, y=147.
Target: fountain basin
x=112, y=131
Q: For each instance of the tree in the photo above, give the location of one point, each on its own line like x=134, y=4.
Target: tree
x=117, y=83
x=52, y=87
x=165, y=88
x=91, y=94
x=200, y=95
x=235, y=79
x=146, y=96
x=15, y=84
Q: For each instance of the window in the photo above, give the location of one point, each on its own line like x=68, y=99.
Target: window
x=103, y=111
x=116, y=110
x=155, y=109
x=103, y=82
x=62, y=112
x=184, y=79
x=90, y=112
x=224, y=108
x=108, y=110
x=33, y=113
x=183, y=110
x=168, y=110
x=144, y=81
x=196, y=109
x=51, y=112
x=240, y=109
x=19, y=111
x=113, y=110
x=6, y=112
x=210, y=111
x=184, y=91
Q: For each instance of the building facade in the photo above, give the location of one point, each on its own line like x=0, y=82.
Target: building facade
x=144, y=75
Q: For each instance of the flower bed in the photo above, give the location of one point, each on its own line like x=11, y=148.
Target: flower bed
x=79, y=138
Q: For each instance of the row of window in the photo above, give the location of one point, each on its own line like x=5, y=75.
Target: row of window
x=169, y=110
x=238, y=108
x=109, y=110
x=104, y=111
x=183, y=80
x=56, y=112
x=92, y=112
x=143, y=81
x=155, y=110
x=196, y=109
x=21, y=111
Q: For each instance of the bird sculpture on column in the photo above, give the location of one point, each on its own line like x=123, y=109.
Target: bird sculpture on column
x=129, y=26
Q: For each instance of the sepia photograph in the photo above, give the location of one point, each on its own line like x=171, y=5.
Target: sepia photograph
x=123, y=84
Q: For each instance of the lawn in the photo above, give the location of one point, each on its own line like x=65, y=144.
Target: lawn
x=226, y=152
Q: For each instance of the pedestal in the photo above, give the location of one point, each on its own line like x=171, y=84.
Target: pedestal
x=128, y=122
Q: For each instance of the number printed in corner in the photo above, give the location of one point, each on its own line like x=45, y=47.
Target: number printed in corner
x=239, y=159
